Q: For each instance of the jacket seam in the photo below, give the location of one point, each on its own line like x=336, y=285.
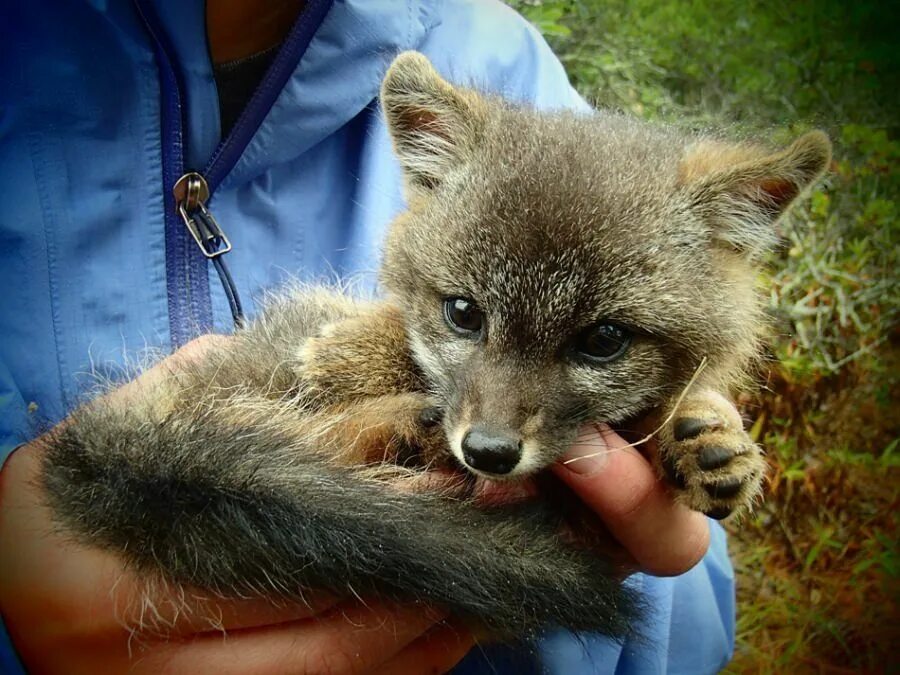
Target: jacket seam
x=47, y=223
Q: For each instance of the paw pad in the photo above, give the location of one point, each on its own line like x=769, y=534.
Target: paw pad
x=690, y=427
x=724, y=489
x=714, y=457
x=711, y=462
x=719, y=512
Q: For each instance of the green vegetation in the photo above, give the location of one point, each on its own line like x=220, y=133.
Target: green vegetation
x=818, y=563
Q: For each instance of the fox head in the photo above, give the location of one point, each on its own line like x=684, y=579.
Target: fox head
x=556, y=268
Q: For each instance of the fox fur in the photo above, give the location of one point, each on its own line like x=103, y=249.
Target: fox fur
x=287, y=460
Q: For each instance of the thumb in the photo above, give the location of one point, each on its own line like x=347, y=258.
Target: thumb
x=620, y=486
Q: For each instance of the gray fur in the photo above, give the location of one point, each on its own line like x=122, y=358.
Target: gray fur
x=225, y=476
x=205, y=481
x=552, y=222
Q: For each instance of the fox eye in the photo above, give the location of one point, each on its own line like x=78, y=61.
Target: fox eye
x=463, y=315
x=603, y=343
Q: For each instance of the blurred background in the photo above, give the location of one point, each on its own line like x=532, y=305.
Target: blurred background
x=817, y=563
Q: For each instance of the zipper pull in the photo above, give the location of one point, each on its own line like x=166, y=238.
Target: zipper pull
x=191, y=193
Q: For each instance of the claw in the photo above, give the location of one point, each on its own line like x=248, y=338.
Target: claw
x=674, y=476
x=431, y=416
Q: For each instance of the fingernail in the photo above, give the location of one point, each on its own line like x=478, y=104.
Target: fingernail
x=589, y=455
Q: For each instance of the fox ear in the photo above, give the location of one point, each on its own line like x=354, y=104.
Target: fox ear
x=741, y=190
x=433, y=124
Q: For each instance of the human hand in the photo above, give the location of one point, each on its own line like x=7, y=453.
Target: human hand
x=73, y=609
x=659, y=535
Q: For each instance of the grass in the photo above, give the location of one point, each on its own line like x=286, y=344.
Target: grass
x=818, y=566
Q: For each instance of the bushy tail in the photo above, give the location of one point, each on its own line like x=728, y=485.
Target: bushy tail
x=248, y=511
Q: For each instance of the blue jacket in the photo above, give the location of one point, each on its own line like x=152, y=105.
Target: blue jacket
x=105, y=103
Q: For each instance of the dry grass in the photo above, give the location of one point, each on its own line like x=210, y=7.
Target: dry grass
x=818, y=564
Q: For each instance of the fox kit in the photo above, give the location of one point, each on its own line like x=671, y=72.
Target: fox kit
x=552, y=269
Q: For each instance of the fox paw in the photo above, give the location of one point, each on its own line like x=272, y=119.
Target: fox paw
x=358, y=357
x=423, y=441
x=708, y=458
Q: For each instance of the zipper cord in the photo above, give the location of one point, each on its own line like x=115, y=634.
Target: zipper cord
x=234, y=300
x=191, y=300
x=191, y=193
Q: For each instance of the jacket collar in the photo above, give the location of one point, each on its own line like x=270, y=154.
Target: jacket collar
x=336, y=78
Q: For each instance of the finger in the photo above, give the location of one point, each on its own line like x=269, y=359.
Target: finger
x=169, y=611
x=664, y=537
x=347, y=640
x=255, y=612
x=435, y=652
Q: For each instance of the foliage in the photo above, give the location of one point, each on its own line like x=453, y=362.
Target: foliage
x=837, y=285
x=818, y=563
x=763, y=61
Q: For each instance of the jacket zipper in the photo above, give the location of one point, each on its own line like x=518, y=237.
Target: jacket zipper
x=187, y=281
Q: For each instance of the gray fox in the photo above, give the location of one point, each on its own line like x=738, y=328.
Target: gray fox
x=552, y=269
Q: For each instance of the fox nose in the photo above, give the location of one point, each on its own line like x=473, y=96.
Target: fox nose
x=490, y=451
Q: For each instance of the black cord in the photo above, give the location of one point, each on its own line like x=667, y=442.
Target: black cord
x=210, y=238
x=234, y=300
